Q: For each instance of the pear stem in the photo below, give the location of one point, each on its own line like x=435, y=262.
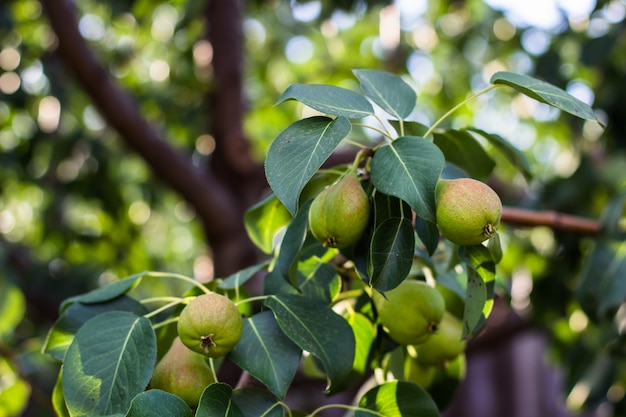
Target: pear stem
x=157, y=274
x=458, y=106
x=345, y=407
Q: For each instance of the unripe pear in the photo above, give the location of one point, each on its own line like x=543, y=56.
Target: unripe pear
x=411, y=312
x=182, y=372
x=210, y=324
x=339, y=214
x=445, y=345
x=468, y=211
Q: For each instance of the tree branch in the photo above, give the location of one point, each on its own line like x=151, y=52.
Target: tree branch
x=552, y=219
x=213, y=202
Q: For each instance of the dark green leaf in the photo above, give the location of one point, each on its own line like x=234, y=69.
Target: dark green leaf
x=62, y=333
x=481, y=271
x=216, y=401
x=169, y=405
x=322, y=283
x=291, y=246
x=398, y=398
x=110, y=360
x=389, y=91
x=253, y=402
x=410, y=128
x=428, y=233
x=264, y=220
x=392, y=248
x=545, y=93
x=266, y=353
x=298, y=152
x=239, y=278
x=316, y=328
x=463, y=150
x=514, y=155
x=602, y=287
x=328, y=99
x=106, y=293
x=409, y=169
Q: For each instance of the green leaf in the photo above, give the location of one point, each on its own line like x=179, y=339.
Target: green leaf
x=106, y=293
x=216, y=401
x=398, y=398
x=602, y=287
x=12, y=307
x=365, y=334
x=410, y=128
x=463, y=150
x=323, y=283
x=481, y=271
x=169, y=405
x=545, y=93
x=510, y=152
x=328, y=99
x=266, y=353
x=316, y=328
x=263, y=221
x=254, y=403
x=62, y=333
x=428, y=233
x=391, y=253
x=58, y=398
x=291, y=246
x=110, y=360
x=389, y=91
x=239, y=278
x=298, y=152
x=409, y=169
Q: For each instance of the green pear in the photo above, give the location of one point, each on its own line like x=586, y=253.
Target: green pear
x=182, y=372
x=210, y=324
x=411, y=312
x=445, y=345
x=468, y=211
x=339, y=214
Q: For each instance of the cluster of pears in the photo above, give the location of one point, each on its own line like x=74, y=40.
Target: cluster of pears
x=208, y=327
x=468, y=211
x=425, y=319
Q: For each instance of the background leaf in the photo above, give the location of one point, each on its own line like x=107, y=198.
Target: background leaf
x=323, y=282
x=480, y=285
x=409, y=168
x=146, y=403
x=263, y=220
x=545, y=93
x=462, y=149
x=316, y=328
x=329, y=99
x=388, y=91
x=62, y=333
x=602, y=288
x=266, y=353
x=298, y=152
x=514, y=155
x=398, y=398
x=110, y=360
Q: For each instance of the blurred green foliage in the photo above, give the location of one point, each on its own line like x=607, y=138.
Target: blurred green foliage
x=77, y=209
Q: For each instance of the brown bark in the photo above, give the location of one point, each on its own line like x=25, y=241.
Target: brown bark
x=212, y=200
x=552, y=219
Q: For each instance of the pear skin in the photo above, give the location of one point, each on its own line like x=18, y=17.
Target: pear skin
x=182, y=372
x=468, y=211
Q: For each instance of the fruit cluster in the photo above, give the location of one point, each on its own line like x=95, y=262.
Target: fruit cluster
x=208, y=327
